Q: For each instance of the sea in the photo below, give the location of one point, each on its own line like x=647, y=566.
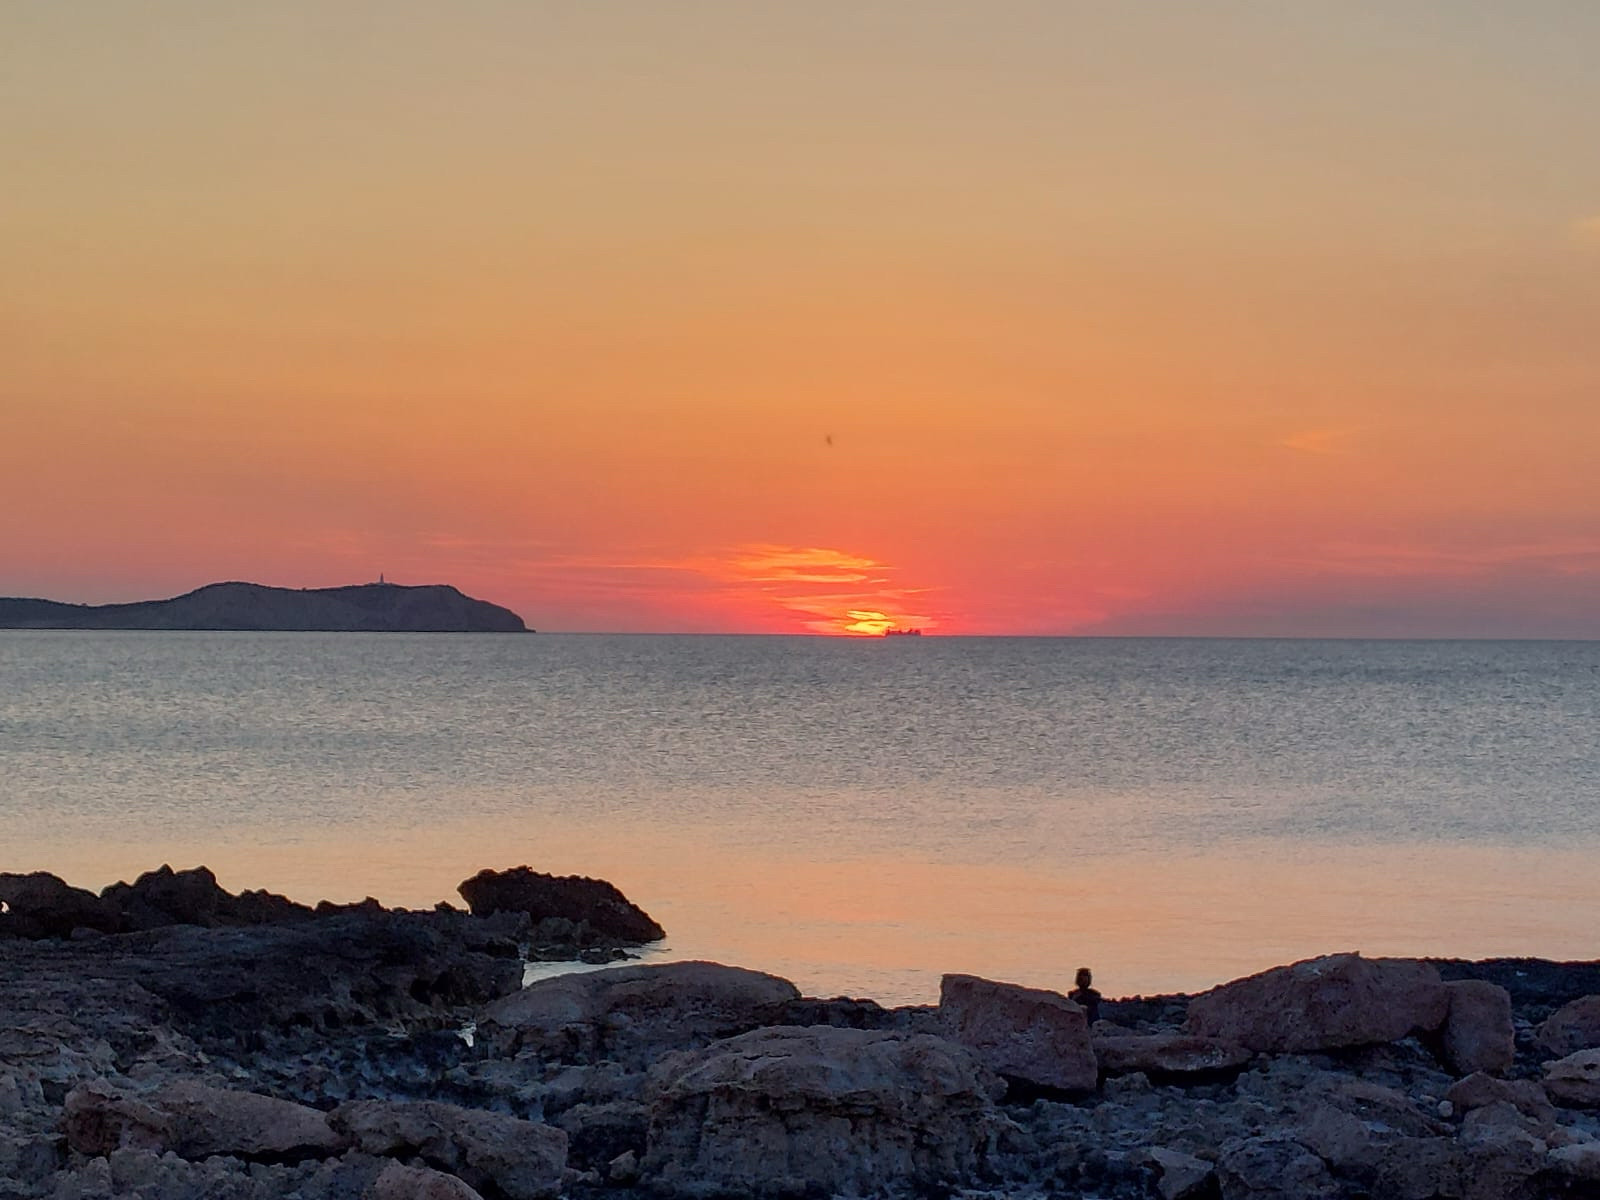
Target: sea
x=857, y=815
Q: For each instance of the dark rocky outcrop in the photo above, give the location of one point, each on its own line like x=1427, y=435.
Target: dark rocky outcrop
x=41, y=905
x=601, y=912
x=356, y=1052
x=361, y=608
x=193, y=897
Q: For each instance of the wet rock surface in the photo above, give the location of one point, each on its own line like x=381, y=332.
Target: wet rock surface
x=356, y=1052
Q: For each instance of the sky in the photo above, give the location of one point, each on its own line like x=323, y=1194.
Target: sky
x=1230, y=317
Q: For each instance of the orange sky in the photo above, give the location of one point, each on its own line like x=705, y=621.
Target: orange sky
x=1021, y=317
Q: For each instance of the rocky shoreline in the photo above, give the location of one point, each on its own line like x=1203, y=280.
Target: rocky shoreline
x=166, y=1039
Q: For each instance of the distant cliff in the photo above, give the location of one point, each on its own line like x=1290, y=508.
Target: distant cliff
x=363, y=608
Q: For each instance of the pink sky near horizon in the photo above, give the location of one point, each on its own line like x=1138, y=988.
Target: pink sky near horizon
x=1036, y=318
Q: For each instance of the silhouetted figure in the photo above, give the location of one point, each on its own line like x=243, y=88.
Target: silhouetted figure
x=1084, y=995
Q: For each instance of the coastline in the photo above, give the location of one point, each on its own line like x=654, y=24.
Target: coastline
x=357, y=1050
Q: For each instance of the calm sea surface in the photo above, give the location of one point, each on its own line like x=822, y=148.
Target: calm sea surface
x=858, y=815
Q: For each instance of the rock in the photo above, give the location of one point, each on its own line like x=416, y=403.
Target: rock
x=1574, y=1081
x=843, y=1011
x=593, y=902
x=521, y=1159
x=1580, y=1162
x=1417, y=1168
x=398, y=1182
x=193, y=897
x=819, y=1109
x=41, y=905
x=634, y=1013
x=205, y=1121
x=1344, y=1141
x=167, y=897
x=321, y=975
x=31, y=1159
x=1526, y=1096
x=99, y=1118
x=1182, y=1176
x=1273, y=1167
x=1572, y=1027
x=623, y=1170
x=1478, y=1034
x=195, y=1121
x=1031, y=1034
x=1501, y=1153
x=1323, y=1004
x=1167, y=1055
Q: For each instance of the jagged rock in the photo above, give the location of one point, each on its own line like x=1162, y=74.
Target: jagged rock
x=1031, y=1034
x=635, y=1013
x=1273, y=1167
x=836, y=1110
x=1574, y=1081
x=592, y=902
x=521, y=1159
x=1478, y=1034
x=1572, y=1027
x=193, y=897
x=1323, y=1003
x=1478, y=1090
x=1182, y=1176
x=397, y=1182
x=42, y=905
x=1166, y=1055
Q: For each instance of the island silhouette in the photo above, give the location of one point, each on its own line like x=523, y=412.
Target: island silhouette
x=358, y=608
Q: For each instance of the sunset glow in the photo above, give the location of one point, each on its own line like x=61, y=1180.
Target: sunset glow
x=1015, y=318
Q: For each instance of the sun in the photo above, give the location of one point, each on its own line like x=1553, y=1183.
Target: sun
x=864, y=622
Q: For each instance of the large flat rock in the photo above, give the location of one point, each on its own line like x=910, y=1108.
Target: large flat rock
x=635, y=1013
x=1323, y=1004
x=195, y=1121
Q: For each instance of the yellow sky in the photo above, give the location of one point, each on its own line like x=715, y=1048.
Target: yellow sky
x=1030, y=317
